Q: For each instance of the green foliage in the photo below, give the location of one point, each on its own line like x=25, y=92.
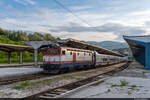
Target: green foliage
x=16, y=37
x=108, y=90
x=23, y=85
x=143, y=74
x=4, y=39
x=123, y=83
x=23, y=36
x=114, y=85
x=133, y=87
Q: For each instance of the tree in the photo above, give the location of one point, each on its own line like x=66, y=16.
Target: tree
x=1, y=31
x=48, y=36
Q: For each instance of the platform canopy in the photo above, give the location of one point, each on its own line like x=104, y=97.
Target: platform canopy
x=140, y=46
x=85, y=45
x=12, y=47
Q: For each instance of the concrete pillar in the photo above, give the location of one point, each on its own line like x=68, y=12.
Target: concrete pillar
x=9, y=55
x=147, y=56
x=35, y=57
x=20, y=57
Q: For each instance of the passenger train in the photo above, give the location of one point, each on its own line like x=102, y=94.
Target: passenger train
x=57, y=60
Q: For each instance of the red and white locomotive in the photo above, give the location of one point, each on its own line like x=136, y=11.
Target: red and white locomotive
x=60, y=59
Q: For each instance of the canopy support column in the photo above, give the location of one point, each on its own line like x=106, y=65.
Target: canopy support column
x=20, y=57
x=35, y=57
x=147, y=56
x=9, y=55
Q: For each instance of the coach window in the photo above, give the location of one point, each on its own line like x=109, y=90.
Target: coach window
x=70, y=53
x=104, y=59
x=84, y=53
x=63, y=52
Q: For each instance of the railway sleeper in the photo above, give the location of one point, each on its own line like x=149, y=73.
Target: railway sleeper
x=62, y=90
x=48, y=94
x=44, y=96
x=53, y=92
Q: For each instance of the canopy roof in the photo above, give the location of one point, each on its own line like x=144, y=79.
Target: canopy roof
x=66, y=42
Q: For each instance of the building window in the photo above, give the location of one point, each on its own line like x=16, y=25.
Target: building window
x=63, y=52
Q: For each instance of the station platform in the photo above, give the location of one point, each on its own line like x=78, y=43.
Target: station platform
x=18, y=65
x=132, y=82
x=6, y=73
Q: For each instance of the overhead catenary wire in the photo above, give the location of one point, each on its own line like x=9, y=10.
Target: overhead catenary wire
x=82, y=20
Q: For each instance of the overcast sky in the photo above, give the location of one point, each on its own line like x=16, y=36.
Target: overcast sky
x=100, y=20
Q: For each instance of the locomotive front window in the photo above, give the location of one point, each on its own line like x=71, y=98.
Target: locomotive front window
x=63, y=52
x=45, y=52
x=54, y=51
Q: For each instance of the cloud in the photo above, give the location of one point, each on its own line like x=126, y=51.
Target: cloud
x=103, y=26
x=88, y=36
x=117, y=29
x=26, y=2
x=137, y=13
x=9, y=6
x=30, y=2
x=9, y=21
x=79, y=8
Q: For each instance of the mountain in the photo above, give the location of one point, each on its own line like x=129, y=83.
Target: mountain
x=110, y=44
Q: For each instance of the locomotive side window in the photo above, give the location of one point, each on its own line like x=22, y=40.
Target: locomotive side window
x=54, y=51
x=70, y=53
x=63, y=52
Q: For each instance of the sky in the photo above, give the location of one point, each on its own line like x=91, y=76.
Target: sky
x=87, y=20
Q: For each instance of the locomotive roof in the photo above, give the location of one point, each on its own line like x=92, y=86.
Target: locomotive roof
x=77, y=49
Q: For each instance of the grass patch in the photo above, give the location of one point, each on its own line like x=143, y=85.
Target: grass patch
x=143, y=74
x=23, y=84
x=123, y=83
x=129, y=92
x=108, y=90
x=40, y=82
x=114, y=85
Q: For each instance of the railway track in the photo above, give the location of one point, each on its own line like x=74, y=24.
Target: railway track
x=22, y=78
x=29, y=77
x=57, y=91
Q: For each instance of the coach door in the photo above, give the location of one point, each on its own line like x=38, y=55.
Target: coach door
x=74, y=57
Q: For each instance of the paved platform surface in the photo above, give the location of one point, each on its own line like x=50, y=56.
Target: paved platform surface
x=14, y=72
x=133, y=82
x=18, y=65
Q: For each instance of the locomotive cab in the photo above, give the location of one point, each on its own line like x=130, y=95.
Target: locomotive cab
x=51, y=59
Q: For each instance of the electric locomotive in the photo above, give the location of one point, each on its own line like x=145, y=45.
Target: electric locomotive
x=60, y=59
